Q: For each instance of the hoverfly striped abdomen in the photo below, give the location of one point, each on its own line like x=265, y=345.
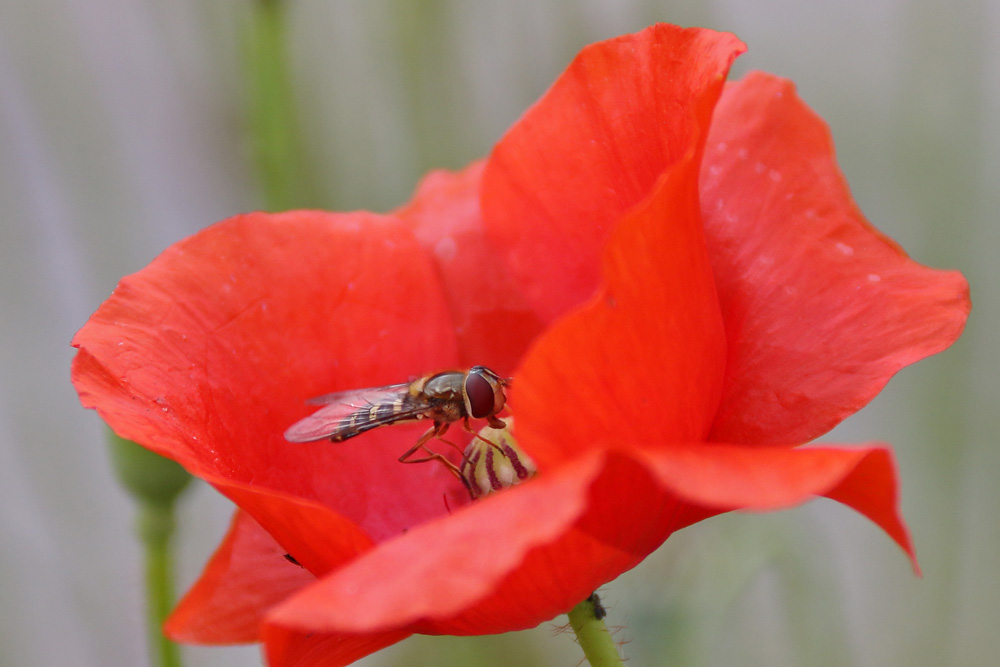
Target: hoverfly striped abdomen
x=374, y=415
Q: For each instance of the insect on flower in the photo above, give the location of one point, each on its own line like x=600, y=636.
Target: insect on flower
x=599, y=611
x=442, y=397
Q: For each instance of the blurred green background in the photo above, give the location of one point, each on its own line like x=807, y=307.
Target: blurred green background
x=123, y=129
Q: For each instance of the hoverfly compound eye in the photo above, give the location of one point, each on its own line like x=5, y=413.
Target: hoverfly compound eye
x=484, y=392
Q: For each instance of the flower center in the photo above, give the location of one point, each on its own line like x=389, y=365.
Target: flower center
x=493, y=461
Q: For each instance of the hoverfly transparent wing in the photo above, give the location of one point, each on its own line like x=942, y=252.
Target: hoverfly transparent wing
x=346, y=414
x=361, y=397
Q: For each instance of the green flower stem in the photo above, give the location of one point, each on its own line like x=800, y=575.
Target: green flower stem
x=155, y=483
x=598, y=646
x=278, y=151
x=156, y=527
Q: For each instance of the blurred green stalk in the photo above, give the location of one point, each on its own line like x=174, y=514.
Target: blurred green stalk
x=278, y=154
x=157, y=526
x=156, y=483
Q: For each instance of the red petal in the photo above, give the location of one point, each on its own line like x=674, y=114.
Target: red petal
x=317, y=537
x=246, y=576
x=727, y=477
x=441, y=568
x=643, y=362
x=456, y=577
x=872, y=488
x=493, y=322
x=208, y=354
x=626, y=517
x=496, y=566
x=289, y=648
x=820, y=308
x=593, y=147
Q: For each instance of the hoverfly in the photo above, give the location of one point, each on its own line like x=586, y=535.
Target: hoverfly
x=442, y=397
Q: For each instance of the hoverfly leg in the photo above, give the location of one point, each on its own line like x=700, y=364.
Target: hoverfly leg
x=440, y=436
x=434, y=431
x=453, y=446
x=495, y=423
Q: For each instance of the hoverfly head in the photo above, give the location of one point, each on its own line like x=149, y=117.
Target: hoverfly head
x=484, y=394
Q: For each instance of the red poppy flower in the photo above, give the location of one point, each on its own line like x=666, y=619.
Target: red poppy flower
x=671, y=268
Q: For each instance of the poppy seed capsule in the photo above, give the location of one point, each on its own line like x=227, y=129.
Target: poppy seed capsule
x=493, y=461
